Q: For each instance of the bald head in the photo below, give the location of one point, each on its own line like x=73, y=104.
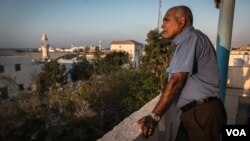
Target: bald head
x=183, y=11
x=176, y=20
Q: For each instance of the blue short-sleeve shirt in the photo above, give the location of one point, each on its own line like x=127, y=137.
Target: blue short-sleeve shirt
x=194, y=53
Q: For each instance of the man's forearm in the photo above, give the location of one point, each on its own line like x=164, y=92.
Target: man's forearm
x=168, y=94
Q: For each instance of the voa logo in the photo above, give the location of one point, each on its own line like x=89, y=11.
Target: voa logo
x=236, y=132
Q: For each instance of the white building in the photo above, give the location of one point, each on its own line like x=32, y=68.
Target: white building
x=16, y=71
x=68, y=64
x=135, y=50
x=240, y=57
x=239, y=68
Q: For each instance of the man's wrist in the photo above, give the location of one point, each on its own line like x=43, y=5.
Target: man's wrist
x=155, y=117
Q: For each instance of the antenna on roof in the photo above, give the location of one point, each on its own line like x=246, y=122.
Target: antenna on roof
x=159, y=16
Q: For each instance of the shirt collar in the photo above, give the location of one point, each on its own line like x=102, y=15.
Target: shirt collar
x=179, y=38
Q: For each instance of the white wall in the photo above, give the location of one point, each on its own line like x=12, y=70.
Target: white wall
x=239, y=60
x=23, y=76
x=238, y=77
x=129, y=48
x=135, y=51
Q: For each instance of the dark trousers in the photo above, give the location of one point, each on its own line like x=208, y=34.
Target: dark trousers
x=203, y=122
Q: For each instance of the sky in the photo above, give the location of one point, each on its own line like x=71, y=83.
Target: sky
x=85, y=22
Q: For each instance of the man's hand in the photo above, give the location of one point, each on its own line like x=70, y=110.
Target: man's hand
x=147, y=125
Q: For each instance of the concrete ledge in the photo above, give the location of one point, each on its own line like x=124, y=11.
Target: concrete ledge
x=126, y=130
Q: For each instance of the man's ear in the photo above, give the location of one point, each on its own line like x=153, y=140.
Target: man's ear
x=182, y=22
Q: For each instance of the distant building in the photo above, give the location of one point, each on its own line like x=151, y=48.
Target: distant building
x=240, y=56
x=75, y=48
x=67, y=60
x=93, y=48
x=15, y=73
x=239, y=68
x=133, y=48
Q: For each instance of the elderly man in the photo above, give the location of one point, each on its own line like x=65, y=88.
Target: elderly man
x=194, y=80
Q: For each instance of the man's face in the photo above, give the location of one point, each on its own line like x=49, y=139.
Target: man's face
x=171, y=25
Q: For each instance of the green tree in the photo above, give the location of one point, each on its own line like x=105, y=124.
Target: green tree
x=115, y=96
x=157, y=56
x=97, y=54
x=81, y=70
x=112, y=62
x=117, y=58
x=52, y=75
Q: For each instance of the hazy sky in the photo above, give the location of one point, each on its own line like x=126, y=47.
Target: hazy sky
x=85, y=22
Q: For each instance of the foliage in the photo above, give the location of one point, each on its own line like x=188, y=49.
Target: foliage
x=70, y=116
x=52, y=74
x=117, y=58
x=6, y=81
x=81, y=70
x=20, y=118
x=115, y=96
x=57, y=117
x=83, y=129
x=157, y=56
x=84, y=111
x=143, y=88
x=112, y=62
x=97, y=54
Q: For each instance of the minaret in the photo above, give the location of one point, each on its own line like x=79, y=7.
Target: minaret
x=44, y=47
x=100, y=45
